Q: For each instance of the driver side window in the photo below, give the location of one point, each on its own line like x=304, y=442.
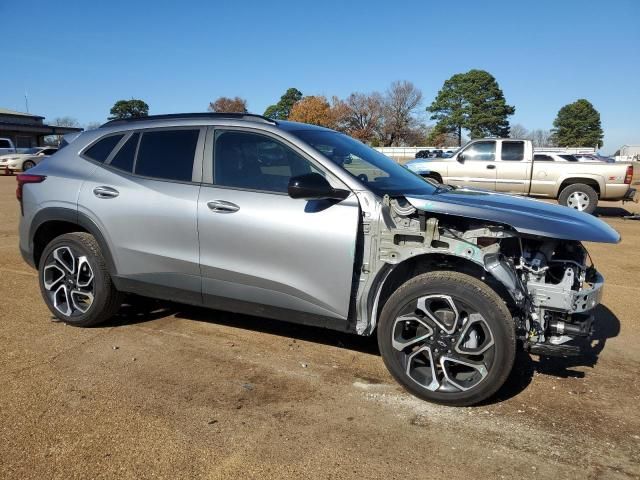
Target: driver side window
x=480, y=151
x=255, y=162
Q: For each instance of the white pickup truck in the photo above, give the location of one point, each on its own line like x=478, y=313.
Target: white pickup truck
x=510, y=166
x=6, y=146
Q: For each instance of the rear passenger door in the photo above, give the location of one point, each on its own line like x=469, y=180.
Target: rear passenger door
x=143, y=197
x=263, y=252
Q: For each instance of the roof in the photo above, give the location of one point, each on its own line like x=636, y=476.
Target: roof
x=39, y=128
x=6, y=111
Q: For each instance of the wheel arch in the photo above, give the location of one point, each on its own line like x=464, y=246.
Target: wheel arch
x=590, y=181
x=52, y=222
x=390, y=278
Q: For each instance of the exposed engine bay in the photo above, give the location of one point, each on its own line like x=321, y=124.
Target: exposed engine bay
x=550, y=286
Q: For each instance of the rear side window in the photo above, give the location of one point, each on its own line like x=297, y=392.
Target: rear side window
x=542, y=158
x=512, y=151
x=123, y=160
x=167, y=154
x=100, y=150
x=569, y=158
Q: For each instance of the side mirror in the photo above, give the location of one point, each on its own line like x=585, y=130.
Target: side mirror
x=313, y=186
x=460, y=157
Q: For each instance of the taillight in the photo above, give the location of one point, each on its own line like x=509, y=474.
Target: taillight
x=629, y=175
x=24, y=178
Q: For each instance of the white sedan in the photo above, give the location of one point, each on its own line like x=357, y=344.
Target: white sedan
x=25, y=160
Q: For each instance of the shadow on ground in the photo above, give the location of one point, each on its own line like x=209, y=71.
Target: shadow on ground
x=606, y=326
x=612, y=212
x=142, y=310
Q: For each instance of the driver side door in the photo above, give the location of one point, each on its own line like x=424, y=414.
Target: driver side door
x=474, y=166
x=262, y=252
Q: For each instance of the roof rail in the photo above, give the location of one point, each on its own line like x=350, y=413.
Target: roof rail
x=204, y=115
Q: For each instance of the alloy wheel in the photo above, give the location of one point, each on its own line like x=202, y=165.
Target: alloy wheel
x=443, y=344
x=69, y=282
x=578, y=200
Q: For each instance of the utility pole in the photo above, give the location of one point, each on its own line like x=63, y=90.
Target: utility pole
x=26, y=101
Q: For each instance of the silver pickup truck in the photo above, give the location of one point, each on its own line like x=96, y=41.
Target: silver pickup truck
x=510, y=166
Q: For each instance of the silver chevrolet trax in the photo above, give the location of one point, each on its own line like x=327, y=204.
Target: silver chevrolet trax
x=304, y=224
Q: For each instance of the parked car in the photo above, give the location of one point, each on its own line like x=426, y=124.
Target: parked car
x=26, y=160
x=422, y=154
x=592, y=157
x=510, y=166
x=6, y=146
x=321, y=230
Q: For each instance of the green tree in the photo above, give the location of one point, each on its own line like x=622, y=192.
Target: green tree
x=578, y=125
x=472, y=101
x=129, y=109
x=282, y=109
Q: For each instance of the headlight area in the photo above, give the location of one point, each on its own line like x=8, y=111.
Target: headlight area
x=562, y=288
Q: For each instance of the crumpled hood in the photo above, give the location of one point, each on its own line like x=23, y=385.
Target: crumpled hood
x=526, y=215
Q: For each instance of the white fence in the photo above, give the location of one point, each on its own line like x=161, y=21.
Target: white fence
x=404, y=153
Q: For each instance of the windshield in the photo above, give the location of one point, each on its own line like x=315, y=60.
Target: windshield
x=379, y=173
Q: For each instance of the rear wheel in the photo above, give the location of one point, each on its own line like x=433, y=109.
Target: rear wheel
x=75, y=282
x=447, y=338
x=580, y=197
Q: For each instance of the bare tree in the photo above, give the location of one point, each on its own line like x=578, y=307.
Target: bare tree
x=60, y=122
x=92, y=125
x=400, y=102
x=363, y=115
x=229, y=105
x=519, y=131
x=542, y=138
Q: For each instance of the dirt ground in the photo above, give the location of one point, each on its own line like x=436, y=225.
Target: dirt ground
x=181, y=392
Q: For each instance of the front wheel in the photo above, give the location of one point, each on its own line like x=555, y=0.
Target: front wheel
x=447, y=338
x=27, y=165
x=75, y=282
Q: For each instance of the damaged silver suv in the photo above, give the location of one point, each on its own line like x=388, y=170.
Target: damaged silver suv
x=304, y=224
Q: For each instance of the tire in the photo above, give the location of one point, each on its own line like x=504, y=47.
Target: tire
x=579, y=197
x=27, y=165
x=482, y=334
x=432, y=176
x=75, y=282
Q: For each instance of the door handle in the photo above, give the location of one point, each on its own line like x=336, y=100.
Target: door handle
x=221, y=206
x=105, y=192
x=491, y=167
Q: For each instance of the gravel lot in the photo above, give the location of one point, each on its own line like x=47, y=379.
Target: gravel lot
x=180, y=392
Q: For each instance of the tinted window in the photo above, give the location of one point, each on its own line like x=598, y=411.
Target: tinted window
x=49, y=151
x=543, y=158
x=481, y=151
x=123, y=160
x=255, y=162
x=5, y=144
x=167, y=154
x=101, y=150
x=569, y=158
x=512, y=150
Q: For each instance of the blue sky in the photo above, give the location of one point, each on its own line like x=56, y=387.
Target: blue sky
x=77, y=58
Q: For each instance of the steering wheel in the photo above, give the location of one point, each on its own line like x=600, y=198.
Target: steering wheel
x=363, y=178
